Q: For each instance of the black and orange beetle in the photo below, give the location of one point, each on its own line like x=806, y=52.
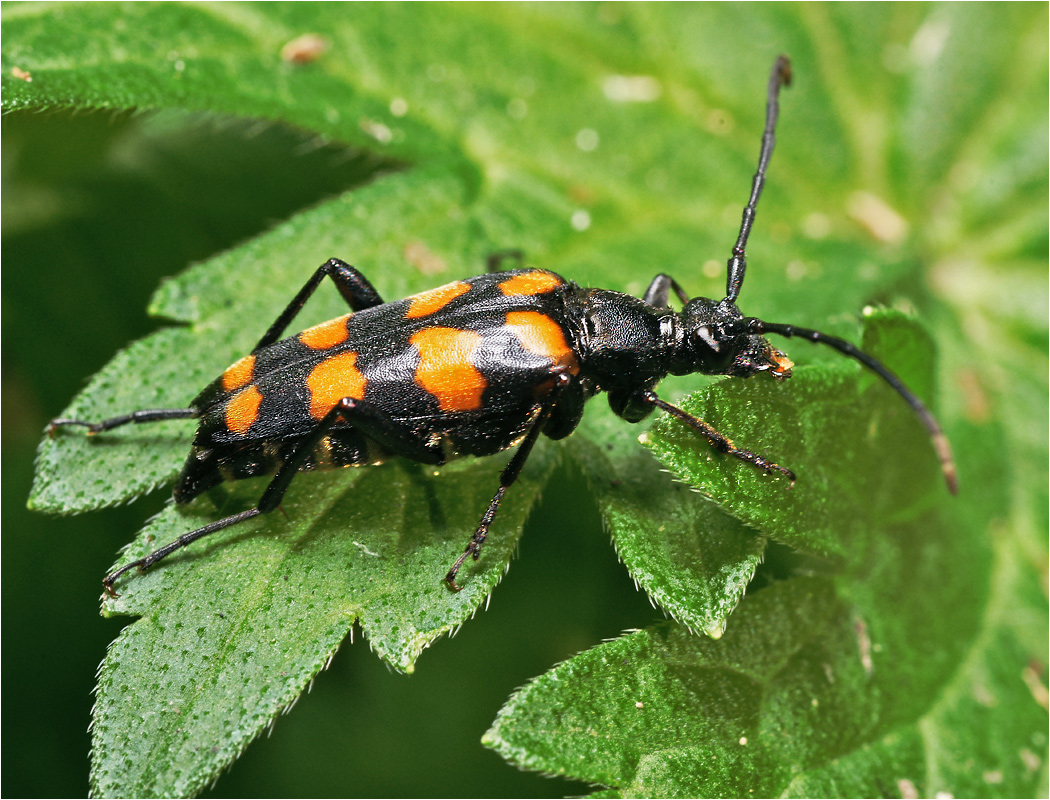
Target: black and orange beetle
x=471, y=369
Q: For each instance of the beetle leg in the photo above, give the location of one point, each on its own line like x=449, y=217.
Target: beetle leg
x=495, y=260
x=717, y=440
x=372, y=422
x=143, y=564
x=352, y=285
x=507, y=477
x=660, y=290
x=146, y=415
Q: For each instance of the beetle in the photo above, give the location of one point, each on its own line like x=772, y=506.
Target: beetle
x=474, y=368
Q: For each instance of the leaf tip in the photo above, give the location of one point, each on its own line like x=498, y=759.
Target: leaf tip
x=716, y=628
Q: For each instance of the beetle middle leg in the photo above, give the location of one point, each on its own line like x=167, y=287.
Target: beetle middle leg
x=352, y=285
x=508, y=476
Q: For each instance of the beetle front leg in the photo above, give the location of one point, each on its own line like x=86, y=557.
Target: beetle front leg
x=659, y=291
x=717, y=440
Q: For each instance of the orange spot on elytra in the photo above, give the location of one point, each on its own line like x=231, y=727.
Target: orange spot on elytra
x=327, y=334
x=332, y=380
x=243, y=409
x=530, y=283
x=541, y=335
x=238, y=374
x=446, y=370
x=428, y=302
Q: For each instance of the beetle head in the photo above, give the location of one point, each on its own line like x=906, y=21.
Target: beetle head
x=714, y=340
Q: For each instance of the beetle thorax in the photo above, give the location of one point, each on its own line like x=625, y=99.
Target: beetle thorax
x=625, y=343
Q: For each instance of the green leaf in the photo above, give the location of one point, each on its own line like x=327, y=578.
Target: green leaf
x=693, y=560
x=911, y=155
x=821, y=686
x=231, y=634
x=858, y=455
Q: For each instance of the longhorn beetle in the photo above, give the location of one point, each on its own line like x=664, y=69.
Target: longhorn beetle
x=474, y=368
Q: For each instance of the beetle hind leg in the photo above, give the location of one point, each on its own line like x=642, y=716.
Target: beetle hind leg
x=373, y=424
x=494, y=261
x=145, y=415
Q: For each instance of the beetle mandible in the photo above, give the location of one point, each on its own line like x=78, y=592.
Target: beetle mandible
x=471, y=369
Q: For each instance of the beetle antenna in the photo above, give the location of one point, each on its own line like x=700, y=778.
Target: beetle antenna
x=737, y=264
x=940, y=441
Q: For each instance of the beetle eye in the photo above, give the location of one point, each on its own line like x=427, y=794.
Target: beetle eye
x=703, y=336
